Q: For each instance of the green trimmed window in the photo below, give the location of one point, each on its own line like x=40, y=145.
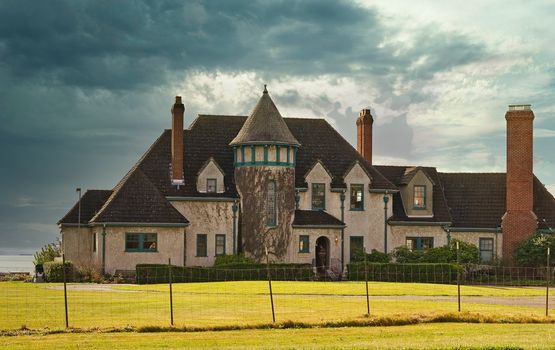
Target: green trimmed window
x=419, y=197
x=271, y=205
x=356, y=246
x=357, y=197
x=304, y=244
x=419, y=243
x=141, y=242
x=211, y=185
x=202, y=245
x=318, y=196
x=486, y=249
x=220, y=245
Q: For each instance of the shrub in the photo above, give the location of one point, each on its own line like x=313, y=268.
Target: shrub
x=153, y=273
x=469, y=254
x=374, y=256
x=53, y=271
x=46, y=254
x=232, y=259
x=395, y=272
x=533, y=251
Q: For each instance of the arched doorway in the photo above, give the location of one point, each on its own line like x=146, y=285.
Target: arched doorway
x=322, y=254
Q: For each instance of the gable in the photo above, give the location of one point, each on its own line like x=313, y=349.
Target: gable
x=318, y=174
x=357, y=174
x=210, y=170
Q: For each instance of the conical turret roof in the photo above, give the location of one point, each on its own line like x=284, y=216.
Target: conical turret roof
x=265, y=125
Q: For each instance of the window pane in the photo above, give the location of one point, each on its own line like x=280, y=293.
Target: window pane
x=131, y=241
x=419, y=243
x=486, y=249
x=420, y=196
x=201, y=245
x=357, y=192
x=411, y=243
x=271, y=215
x=427, y=242
x=211, y=185
x=304, y=244
x=149, y=242
x=318, y=196
x=220, y=244
x=357, y=245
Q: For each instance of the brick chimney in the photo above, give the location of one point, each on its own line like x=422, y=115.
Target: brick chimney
x=364, y=134
x=178, y=109
x=519, y=221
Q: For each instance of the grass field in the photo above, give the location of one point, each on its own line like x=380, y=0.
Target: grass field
x=240, y=303
x=426, y=336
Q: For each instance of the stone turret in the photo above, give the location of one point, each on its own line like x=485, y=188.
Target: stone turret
x=265, y=152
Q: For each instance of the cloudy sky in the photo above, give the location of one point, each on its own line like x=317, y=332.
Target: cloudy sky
x=86, y=86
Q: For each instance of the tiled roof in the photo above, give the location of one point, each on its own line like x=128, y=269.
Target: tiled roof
x=210, y=135
x=477, y=200
x=138, y=201
x=315, y=218
x=398, y=175
x=265, y=124
x=91, y=202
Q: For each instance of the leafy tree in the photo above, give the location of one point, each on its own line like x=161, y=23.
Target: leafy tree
x=46, y=254
x=533, y=251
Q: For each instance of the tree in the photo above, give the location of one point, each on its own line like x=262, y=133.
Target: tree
x=533, y=251
x=47, y=253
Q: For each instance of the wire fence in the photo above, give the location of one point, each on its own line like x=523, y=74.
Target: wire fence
x=200, y=297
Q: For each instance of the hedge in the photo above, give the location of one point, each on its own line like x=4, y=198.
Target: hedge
x=393, y=272
x=159, y=273
x=53, y=271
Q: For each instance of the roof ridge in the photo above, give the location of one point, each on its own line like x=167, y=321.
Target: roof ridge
x=122, y=182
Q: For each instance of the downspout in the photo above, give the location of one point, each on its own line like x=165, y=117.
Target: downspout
x=385, y=200
x=234, y=208
x=103, y=249
x=342, y=198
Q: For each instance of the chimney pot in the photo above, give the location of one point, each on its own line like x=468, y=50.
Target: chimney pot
x=178, y=99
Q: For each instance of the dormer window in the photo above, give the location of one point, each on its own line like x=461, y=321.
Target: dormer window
x=419, y=197
x=318, y=196
x=357, y=197
x=211, y=185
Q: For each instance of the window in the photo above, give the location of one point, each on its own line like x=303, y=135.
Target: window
x=486, y=249
x=271, y=210
x=211, y=186
x=220, y=245
x=318, y=196
x=94, y=242
x=357, y=197
x=304, y=244
x=419, y=243
x=419, y=197
x=356, y=246
x=141, y=242
x=202, y=245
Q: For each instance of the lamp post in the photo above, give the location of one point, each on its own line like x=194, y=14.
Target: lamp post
x=385, y=200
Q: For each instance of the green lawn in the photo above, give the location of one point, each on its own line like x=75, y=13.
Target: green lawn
x=426, y=336
x=229, y=303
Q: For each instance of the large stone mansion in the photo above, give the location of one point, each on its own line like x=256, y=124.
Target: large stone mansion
x=296, y=187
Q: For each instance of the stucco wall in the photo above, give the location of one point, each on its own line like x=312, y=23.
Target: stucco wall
x=368, y=223
x=334, y=236
x=210, y=218
x=77, y=244
x=474, y=238
x=170, y=245
x=210, y=171
x=398, y=234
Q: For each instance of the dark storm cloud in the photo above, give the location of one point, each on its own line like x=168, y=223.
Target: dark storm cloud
x=125, y=45
x=82, y=82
